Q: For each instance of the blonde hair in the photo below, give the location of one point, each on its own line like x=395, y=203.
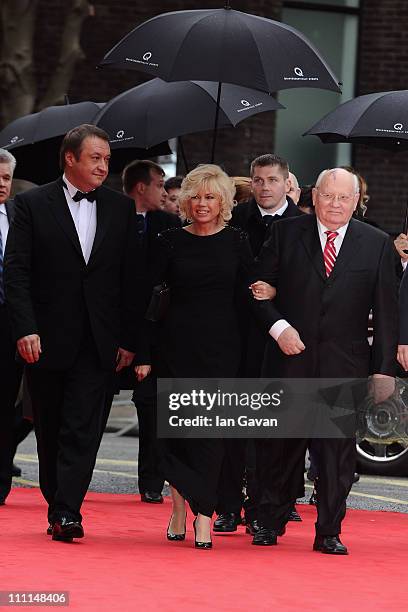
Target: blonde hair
x=210, y=178
x=243, y=188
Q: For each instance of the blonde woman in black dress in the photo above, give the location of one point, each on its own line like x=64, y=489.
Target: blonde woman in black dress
x=199, y=336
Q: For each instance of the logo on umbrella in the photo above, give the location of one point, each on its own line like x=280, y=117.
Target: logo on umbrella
x=14, y=139
x=245, y=103
x=147, y=56
x=298, y=71
x=398, y=126
x=120, y=134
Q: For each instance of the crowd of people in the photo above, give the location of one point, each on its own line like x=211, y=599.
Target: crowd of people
x=261, y=278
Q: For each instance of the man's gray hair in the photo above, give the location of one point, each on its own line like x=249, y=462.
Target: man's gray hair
x=326, y=172
x=7, y=158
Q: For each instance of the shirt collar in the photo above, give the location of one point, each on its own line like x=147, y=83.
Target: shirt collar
x=278, y=212
x=3, y=209
x=70, y=187
x=322, y=229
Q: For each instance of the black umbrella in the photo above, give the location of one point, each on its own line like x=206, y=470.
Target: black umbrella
x=226, y=46
x=157, y=110
x=48, y=123
x=378, y=119
x=35, y=141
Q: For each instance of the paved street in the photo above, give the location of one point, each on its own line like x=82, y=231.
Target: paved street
x=116, y=468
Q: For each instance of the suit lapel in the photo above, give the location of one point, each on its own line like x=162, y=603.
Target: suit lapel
x=349, y=248
x=10, y=211
x=311, y=242
x=63, y=215
x=103, y=215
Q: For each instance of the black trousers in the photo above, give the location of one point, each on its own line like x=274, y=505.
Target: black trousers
x=280, y=466
x=231, y=482
x=70, y=415
x=149, y=474
x=10, y=379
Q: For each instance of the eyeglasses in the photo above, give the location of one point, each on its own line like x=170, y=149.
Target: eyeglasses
x=343, y=198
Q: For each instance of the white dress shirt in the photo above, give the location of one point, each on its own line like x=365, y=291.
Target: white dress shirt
x=280, y=326
x=4, y=225
x=278, y=212
x=84, y=216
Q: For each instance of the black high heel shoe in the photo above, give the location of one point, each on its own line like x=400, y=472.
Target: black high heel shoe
x=202, y=545
x=176, y=537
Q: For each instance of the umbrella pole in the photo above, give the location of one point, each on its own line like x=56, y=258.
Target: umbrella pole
x=217, y=112
x=405, y=226
x=183, y=153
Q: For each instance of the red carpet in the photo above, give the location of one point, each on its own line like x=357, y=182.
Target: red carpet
x=124, y=562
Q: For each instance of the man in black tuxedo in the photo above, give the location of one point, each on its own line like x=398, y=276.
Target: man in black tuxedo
x=143, y=181
x=270, y=186
x=330, y=272
x=71, y=286
x=10, y=370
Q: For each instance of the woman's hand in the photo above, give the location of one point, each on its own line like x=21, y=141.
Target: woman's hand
x=262, y=291
x=142, y=371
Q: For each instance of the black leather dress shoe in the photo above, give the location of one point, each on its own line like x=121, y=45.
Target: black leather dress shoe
x=65, y=530
x=252, y=527
x=294, y=516
x=15, y=470
x=265, y=537
x=227, y=522
x=330, y=545
x=151, y=497
x=313, y=498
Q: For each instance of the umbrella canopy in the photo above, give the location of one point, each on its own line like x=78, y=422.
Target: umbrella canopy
x=378, y=119
x=157, y=110
x=50, y=122
x=226, y=46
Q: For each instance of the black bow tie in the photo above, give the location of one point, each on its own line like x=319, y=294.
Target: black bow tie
x=79, y=195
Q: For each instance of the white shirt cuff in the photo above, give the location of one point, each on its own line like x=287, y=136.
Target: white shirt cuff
x=278, y=327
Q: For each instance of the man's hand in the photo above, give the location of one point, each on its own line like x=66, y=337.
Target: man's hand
x=402, y=356
x=382, y=387
x=262, y=291
x=289, y=342
x=29, y=348
x=142, y=371
x=401, y=244
x=124, y=358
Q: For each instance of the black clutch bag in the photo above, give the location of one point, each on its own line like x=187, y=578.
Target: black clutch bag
x=159, y=303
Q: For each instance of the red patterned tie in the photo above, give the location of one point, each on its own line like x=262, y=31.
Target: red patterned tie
x=329, y=253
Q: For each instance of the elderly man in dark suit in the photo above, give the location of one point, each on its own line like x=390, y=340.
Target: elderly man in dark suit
x=70, y=274
x=10, y=370
x=143, y=181
x=330, y=271
x=270, y=203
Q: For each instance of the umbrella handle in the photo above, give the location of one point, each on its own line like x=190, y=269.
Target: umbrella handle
x=183, y=153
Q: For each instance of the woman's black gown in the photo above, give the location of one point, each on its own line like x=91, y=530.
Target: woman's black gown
x=199, y=337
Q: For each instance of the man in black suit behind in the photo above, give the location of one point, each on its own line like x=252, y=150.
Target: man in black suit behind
x=143, y=181
x=70, y=280
x=330, y=272
x=270, y=186
x=10, y=370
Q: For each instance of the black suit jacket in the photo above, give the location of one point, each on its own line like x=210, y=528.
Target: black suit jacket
x=330, y=314
x=51, y=291
x=248, y=217
x=403, y=309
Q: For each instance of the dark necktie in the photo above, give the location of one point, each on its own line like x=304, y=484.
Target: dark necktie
x=79, y=195
x=141, y=223
x=2, y=299
x=268, y=219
